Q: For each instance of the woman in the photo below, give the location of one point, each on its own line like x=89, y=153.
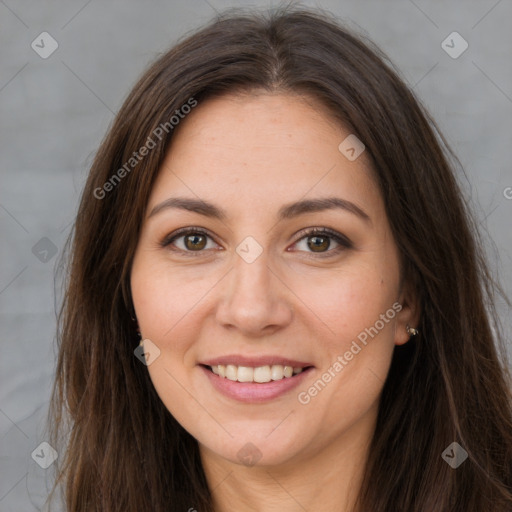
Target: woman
x=276, y=297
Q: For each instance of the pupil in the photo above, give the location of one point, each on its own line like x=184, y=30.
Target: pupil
x=318, y=243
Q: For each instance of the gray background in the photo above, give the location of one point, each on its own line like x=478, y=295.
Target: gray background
x=54, y=112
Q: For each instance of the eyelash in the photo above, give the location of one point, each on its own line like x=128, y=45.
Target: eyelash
x=343, y=241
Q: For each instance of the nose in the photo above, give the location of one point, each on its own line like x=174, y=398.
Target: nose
x=254, y=300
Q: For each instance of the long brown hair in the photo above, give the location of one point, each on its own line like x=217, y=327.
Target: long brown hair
x=123, y=450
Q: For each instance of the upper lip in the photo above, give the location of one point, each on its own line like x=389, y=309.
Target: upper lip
x=255, y=362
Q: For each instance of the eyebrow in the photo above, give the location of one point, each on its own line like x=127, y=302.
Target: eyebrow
x=287, y=211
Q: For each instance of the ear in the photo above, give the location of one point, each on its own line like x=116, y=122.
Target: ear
x=409, y=315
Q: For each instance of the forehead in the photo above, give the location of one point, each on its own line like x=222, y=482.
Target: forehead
x=258, y=124
x=260, y=149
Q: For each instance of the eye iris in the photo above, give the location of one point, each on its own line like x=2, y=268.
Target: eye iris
x=196, y=241
x=318, y=243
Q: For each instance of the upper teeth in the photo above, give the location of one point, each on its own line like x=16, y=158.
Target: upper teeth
x=259, y=374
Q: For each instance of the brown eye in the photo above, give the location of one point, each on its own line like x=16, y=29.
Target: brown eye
x=189, y=241
x=322, y=241
x=319, y=243
x=195, y=241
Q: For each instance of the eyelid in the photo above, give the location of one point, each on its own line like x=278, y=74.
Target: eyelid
x=343, y=241
x=169, y=239
x=312, y=231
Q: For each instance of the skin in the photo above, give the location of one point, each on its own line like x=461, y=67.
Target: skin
x=250, y=155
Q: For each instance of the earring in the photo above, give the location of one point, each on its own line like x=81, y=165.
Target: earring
x=411, y=331
x=141, y=342
x=138, y=329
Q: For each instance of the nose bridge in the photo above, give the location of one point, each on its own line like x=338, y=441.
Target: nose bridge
x=253, y=298
x=252, y=277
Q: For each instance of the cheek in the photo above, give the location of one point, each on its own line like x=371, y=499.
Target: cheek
x=164, y=299
x=359, y=310
x=164, y=304
x=349, y=301
x=356, y=311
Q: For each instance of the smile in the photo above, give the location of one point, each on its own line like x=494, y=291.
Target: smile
x=255, y=384
x=260, y=374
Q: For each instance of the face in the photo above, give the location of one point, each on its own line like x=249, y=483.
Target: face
x=265, y=250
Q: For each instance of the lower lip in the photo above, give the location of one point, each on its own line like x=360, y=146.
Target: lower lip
x=254, y=392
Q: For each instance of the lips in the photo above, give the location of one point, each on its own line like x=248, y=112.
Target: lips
x=253, y=391
x=261, y=370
